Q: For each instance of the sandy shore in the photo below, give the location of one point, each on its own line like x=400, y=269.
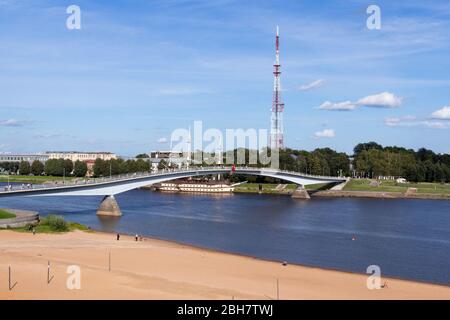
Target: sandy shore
x=154, y=269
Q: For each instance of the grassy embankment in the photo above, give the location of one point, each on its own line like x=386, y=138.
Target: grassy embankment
x=52, y=224
x=392, y=186
x=271, y=188
x=6, y=214
x=32, y=179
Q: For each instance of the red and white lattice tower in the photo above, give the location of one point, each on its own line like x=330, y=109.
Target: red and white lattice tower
x=276, y=127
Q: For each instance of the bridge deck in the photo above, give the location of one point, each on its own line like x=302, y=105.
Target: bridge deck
x=121, y=183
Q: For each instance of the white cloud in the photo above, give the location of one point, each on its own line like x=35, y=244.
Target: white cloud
x=436, y=124
x=162, y=140
x=326, y=133
x=443, y=113
x=338, y=106
x=313, y=85
x=381, y=100
x=400, y=121
x=179, y=91
x=11, y=123
x=411, y=121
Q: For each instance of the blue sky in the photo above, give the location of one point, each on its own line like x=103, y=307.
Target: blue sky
x=139, y=69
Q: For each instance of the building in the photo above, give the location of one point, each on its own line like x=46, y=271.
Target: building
x=169, y=157
x=401, y=180
x=81, y=156
x=14, y=157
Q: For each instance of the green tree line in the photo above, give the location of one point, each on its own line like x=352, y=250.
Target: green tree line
x=369, y=159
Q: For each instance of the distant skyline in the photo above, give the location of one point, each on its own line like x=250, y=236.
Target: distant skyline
x=138, y=70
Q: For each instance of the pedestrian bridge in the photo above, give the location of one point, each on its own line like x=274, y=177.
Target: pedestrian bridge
x=117, y=184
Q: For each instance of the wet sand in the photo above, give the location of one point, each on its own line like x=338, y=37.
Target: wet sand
x=155, y=269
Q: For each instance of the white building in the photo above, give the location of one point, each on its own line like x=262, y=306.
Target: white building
x=169, y=157
x=81, y=156
x=401, y=180
x=14, y=157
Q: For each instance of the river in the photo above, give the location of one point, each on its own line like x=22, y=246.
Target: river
x=406, y=238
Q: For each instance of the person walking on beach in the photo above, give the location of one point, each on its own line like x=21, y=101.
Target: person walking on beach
x=136, y=237
x=118, y=237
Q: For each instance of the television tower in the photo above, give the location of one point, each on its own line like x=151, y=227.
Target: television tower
x=276, y=128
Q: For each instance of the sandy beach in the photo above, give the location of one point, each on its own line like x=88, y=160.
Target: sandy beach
x=154, y=269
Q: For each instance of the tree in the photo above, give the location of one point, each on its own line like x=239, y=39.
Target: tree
x=54, y=167
x=142, y=156
x=68, y=167
x=80, y=168
x=366, y=147
x=143, y=165
x=24, y=168
x=100, y=168
x=162, y=164
x=37, y=168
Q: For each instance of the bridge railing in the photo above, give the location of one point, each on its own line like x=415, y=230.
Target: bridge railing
x=160, y=172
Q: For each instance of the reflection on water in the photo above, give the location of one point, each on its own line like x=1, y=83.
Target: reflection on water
x=108, y=223
x=406, y=238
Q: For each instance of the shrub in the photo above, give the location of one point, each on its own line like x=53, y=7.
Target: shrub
x=56, y=223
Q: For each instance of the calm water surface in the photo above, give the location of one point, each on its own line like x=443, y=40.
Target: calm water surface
x=406, y=238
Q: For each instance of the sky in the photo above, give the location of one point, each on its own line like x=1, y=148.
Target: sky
x=139, y=69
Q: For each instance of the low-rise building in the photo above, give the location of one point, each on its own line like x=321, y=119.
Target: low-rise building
x=169, y=157
x=18, y=157
x=401, y=180
x=80, y=156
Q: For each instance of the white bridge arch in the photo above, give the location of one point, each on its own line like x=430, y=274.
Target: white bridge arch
x=122, y=183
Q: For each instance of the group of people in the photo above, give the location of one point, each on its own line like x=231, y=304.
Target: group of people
x=136, y=237
x=9, y=187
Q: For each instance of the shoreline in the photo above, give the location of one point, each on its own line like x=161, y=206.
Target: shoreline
x=162, y=269
x=357, y=194
x=378, y=195
x=328, y=194
x=249, y=256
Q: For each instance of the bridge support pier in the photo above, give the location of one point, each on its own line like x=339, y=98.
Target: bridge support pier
x=301, y=193
x=109, y=207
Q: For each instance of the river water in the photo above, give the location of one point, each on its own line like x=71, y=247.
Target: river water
x=408, y=239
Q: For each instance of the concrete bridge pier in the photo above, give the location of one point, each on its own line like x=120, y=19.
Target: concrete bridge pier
x=109, y=207
x=300, y=193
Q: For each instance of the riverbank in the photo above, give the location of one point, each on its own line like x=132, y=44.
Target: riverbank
x=380, y=195
x=33, y=179
x=13, y=218
x=358, y=188
x=155, y=269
